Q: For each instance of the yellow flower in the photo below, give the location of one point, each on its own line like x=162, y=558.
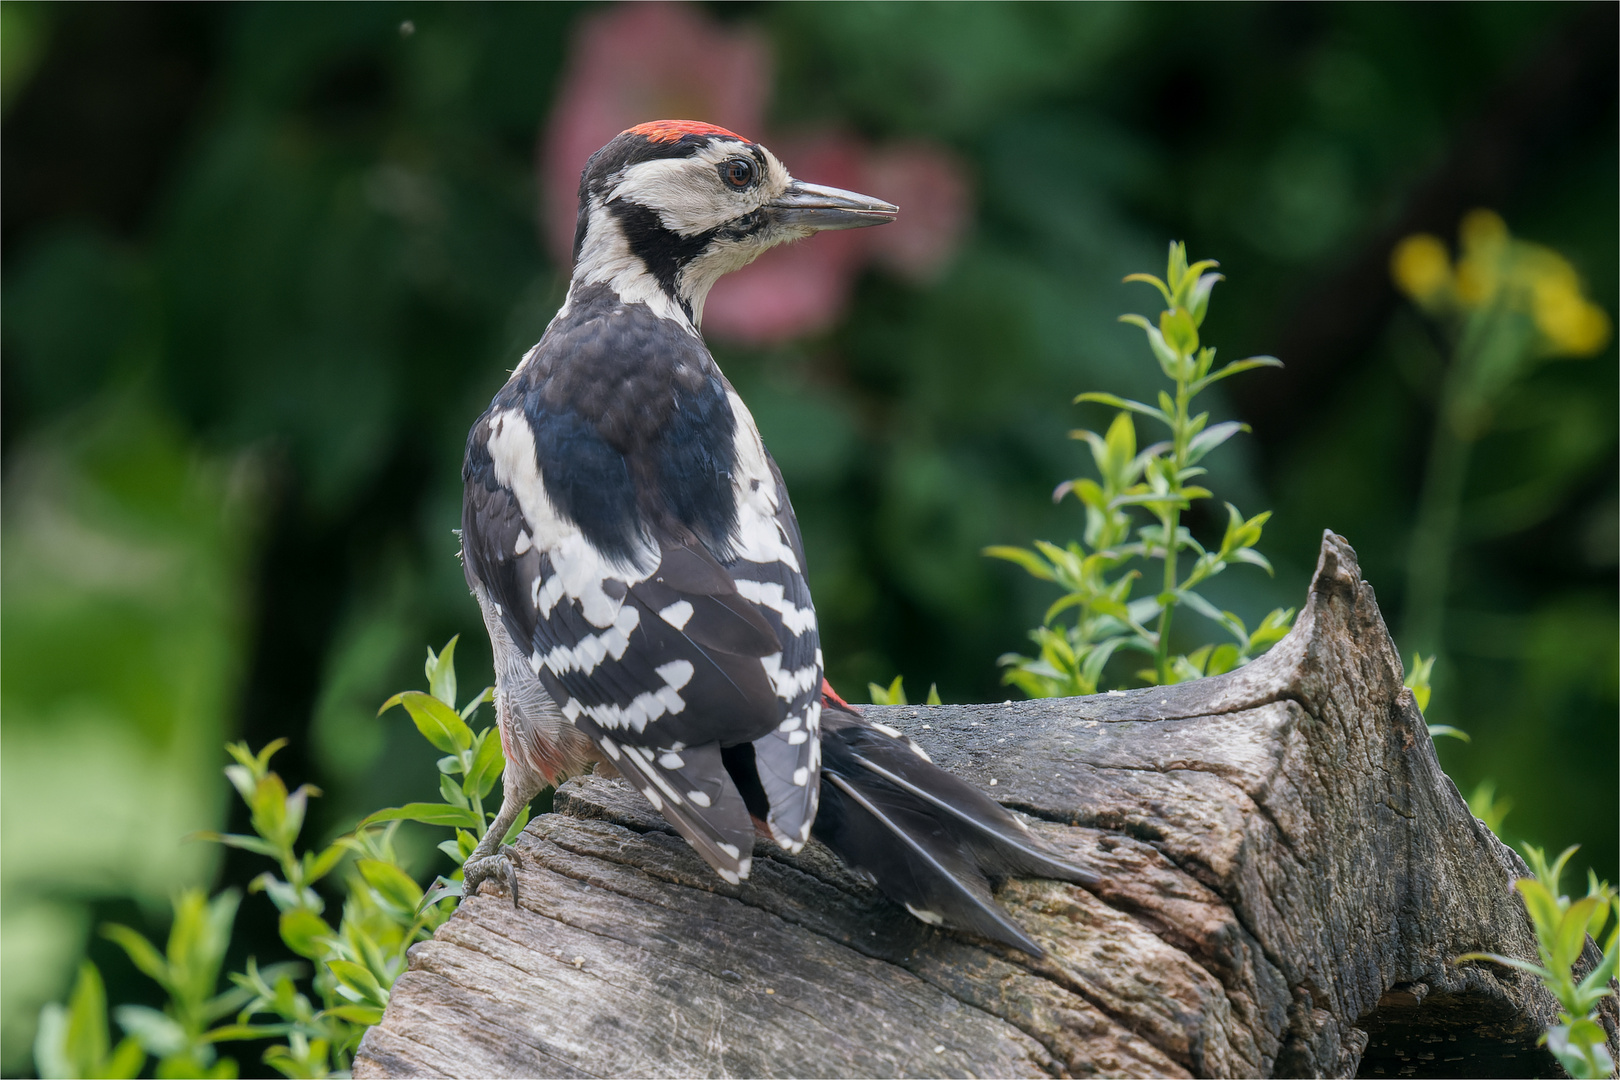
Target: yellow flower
x=1572, y=325
x=1421, y=268
x=1482, y=230
x=1484, y=239
x=1495, y=269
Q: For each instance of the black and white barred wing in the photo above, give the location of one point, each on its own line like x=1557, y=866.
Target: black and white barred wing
x=767, y=563
x=680, y=671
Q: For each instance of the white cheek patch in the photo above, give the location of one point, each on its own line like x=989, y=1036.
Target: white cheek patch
x=579, y=571
x=687, y=192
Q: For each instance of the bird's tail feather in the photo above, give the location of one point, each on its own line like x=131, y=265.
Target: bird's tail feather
x=931, y=841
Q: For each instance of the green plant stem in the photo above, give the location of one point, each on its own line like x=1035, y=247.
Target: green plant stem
x=1428, y=568
x=1434, y=537
x=1171, y=522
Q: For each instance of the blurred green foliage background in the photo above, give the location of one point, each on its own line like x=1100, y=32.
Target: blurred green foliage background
x=263, y=265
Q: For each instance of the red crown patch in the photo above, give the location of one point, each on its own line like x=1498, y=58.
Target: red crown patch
x=672, y=130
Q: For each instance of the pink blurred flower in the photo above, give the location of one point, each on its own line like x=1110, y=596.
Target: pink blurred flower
x=638, y=62
x=932, y=187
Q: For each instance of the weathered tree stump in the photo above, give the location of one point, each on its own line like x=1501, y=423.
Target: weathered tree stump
x=1287, y=875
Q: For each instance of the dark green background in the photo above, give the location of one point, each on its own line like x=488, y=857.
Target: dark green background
x=222, y=345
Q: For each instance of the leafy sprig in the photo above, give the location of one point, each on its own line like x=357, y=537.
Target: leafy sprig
x=318, y=1010
x=1099, y=573
x=1562, y=926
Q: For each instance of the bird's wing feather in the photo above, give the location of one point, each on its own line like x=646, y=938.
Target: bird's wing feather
x=788, y=757
x=689, y=786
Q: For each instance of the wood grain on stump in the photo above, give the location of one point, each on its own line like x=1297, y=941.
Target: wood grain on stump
x=1287, y=875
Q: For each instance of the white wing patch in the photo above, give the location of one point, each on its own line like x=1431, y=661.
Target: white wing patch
x=759, y=537
x=771, y=594
x=677, y=614
x=790, y=684
x=677, y=673
x=579, y=570
x=586, y=655
x=643, y=708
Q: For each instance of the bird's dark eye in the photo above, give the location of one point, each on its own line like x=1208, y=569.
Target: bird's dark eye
x=737, y=173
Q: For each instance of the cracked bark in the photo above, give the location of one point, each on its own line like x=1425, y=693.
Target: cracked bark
x=1287, y=875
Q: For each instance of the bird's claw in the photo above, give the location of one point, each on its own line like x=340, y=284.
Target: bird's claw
x=497, y=867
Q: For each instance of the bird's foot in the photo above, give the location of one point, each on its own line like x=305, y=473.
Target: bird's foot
x=501, y=867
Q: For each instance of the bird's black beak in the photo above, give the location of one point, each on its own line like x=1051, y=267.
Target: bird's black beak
x=811, y=206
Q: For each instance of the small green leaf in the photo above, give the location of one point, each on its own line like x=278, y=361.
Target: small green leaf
x=84, y=1038
x=1506, y=961
x=1211, y=437
x=439, y=723
x=305, y=933
x=243, y=780
x=1123, y=403
x=471, y=707
x=1446, y=731
x=364, y=1015
x=451, y=792
x=1198, y=295
x=443, y=889
x=441, y=673
x=1155, y=282
x=1418, y=679
x=392, y=884
x=236, y=840
x=933, y=695
x=1233, y=368
x=319, y=866
x=158, y=1033
x=125, y=1061
x=894, y=695
x=269, y=807
x=142, y=953
x=1033, y=563
x=1571, y=932
x=1181, y=334
x=427, y=814
x=517, y=826
x=359, y=981
x=1543, y=908
x=488, y=764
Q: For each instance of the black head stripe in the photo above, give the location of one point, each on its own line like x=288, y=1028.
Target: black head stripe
x=621, y=153
x=662, y=251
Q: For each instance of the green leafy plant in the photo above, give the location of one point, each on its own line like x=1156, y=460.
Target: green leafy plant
x=1562, y=926
x=1484, y=804
x=72, y=1039
x=895, y=693
x=318, y=1010
x=1097, y=575
x=1418, y=679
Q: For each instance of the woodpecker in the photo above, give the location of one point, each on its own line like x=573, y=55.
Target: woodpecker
x=639, y=568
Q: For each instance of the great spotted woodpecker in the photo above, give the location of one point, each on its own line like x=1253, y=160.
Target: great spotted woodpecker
x=631, y=544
